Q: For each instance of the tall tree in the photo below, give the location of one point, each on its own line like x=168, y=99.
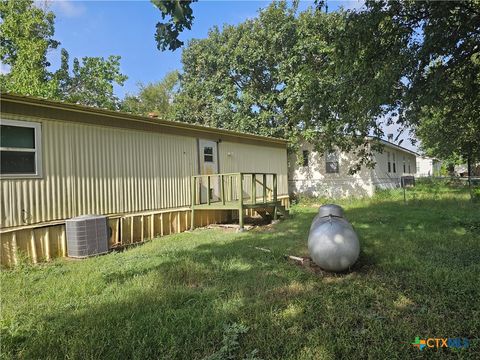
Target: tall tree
x=233, y=79
x=436, y=80
x=334, y=78
x=26, y=35
x=91, y=82
x=280, y=74
x=155, y=98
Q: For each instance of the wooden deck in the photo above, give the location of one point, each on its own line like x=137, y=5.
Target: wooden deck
x=236, y=191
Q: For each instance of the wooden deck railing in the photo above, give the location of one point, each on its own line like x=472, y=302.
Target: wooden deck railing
x=233, y=191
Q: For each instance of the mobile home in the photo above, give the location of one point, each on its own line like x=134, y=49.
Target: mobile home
x=328, y=174
x=59, y=161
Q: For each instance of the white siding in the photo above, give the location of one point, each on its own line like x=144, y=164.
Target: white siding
x=384, y=179
x=313, y=180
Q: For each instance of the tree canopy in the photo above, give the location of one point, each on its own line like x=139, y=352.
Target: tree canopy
x=283, y=74
x=27, y=36
x=439, y=72
x=327, y=78
x=91, y=81
x=154, y=98
x=332, y=79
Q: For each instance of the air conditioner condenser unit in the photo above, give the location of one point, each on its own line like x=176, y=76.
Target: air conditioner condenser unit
x=87, y=235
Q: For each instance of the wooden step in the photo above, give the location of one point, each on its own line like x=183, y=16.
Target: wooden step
x=264, y=214
x=281, y=211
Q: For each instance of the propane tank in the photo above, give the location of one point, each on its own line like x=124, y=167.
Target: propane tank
x=332, y=243
x=325, y=212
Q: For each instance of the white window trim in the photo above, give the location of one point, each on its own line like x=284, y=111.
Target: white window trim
x=38, y=148
x=207, y=154
x=337, y=160
x=305, y=156
x=389, y=163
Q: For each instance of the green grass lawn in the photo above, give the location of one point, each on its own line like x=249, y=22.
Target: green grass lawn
x=211, y=294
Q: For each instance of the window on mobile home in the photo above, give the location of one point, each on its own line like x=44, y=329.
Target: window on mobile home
x=331, y=163
x=20, y=149
x=208, y=154
x=305, y=157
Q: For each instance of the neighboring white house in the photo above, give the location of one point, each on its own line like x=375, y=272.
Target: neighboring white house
x=427, y=166
x=328, y=174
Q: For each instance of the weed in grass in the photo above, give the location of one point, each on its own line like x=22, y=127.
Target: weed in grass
x=231, y=344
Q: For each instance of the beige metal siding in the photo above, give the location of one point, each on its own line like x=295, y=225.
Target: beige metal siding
x=91, y=169
x=236, y=157
x=100, y=170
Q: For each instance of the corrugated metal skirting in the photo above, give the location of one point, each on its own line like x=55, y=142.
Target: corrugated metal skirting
x=38, y=243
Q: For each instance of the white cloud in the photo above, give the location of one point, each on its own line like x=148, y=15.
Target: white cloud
x=352, y=4
x=4, y=69
x=68, y=8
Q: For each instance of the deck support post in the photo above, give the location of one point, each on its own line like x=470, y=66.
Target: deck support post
x=222, y=189
x=208, y=190
x=192, y=220
x=254, y=189
x=264, y=188
x=240, y=201
x=275, y=208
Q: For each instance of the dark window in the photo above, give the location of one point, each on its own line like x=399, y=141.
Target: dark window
x=17, y=137
x=394, y=163
x=331, y=163
x=208, y=154
x=18, y=146
x=389, y=165
x=305, y=158
x=18, y=162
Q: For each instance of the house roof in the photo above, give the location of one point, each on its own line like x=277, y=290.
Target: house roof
x=48, y=109
x=425, y=157
x=393, y=145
